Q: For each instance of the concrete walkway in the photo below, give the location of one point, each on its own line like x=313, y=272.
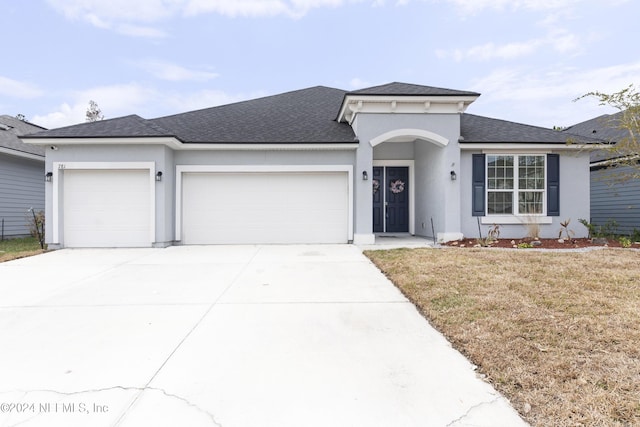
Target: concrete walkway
x=225, y=336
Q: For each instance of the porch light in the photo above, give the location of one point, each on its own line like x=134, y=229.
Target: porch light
x=159, y=176
x=48, y=177
x=365, y=175
x=453, y=176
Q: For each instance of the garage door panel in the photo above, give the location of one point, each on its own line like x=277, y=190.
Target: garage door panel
x=265, y=208
x=106, y=208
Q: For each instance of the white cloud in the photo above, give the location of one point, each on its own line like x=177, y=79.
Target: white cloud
x=113, y=14
x=17, y=89
x=474, y=6
x=357, y=83
x=121, y=100
x=560, y=40
x=173, y=72
x=544, y=97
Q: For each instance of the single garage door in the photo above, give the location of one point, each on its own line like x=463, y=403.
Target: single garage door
x=246, y=208
x=106, y=208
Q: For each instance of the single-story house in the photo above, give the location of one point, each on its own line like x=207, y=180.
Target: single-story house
x=615, y=196
x=317, y=165
x=21, y=177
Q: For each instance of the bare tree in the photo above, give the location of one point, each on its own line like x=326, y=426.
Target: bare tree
x=94, y=113
x=624, y=151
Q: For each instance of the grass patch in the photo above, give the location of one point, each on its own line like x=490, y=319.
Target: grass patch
x=19, y=248
x=557, y=333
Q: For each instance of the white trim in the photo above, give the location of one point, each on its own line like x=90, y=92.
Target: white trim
x=354, y=104
x=528, y=147
x=180, y=169
x=412, y=186
x=411, y=133
x=62, y=166
x=21, y=154
x=178, y=145
x=516, y=219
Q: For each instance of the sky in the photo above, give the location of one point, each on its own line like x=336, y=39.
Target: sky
x=528, y=58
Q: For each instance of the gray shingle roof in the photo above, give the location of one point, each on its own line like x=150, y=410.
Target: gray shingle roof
x=484, y=129
x=127, y=126
x=9, y=137
x=304, y=116
x=406, y=89
x=607, y=129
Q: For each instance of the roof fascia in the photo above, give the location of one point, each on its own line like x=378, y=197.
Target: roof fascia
x=411, y=104
x=507, y=146
x=177, y=145
x=23, y=154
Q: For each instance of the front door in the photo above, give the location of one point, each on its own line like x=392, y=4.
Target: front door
x=390, y=199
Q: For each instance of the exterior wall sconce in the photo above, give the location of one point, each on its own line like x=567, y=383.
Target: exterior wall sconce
x=453, y=176
x=365, y=175
x=48, y=177
x=159, y=176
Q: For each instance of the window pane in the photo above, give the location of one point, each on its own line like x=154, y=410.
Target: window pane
x=531, y=172
x=500, y=203
x=530, y=202
x=500, y=172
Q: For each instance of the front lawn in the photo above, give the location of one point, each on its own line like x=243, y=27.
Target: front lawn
x=557, y=333
x=19, y=248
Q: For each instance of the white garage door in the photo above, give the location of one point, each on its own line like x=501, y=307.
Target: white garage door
x=106, y=208
x=246, y=208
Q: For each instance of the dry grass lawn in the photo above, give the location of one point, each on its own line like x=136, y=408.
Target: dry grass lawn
x=557, y=333
x=19, y=248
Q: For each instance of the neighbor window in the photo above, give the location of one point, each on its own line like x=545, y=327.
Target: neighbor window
x=515, y=184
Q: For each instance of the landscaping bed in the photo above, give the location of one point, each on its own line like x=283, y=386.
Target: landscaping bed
x=19, y=248
x=542, y=243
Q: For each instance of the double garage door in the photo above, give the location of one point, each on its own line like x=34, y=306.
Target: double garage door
x=270, y=207
x=113, y=208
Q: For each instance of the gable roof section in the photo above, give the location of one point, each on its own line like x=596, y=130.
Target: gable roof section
x=406, y=89
x=605, y=127
x=10, y=128
x=479, y=129
x=132, y=126
x=302, y=116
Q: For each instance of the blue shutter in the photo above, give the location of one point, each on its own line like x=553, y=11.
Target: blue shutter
x=477, y=198
x=553, y=185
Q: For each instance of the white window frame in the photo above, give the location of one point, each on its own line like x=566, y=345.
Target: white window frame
x=516, y=217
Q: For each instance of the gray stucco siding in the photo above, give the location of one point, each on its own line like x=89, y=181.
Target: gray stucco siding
x=21, y=187
x=574, y=200
x=612, y=199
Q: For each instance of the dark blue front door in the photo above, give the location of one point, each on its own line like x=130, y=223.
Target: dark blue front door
x=390, y=199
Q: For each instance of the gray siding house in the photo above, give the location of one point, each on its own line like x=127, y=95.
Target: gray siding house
x=21, y=177
x=614, y=197
x=317, y=165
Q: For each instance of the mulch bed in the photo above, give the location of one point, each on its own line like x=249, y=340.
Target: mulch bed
x=544, y=243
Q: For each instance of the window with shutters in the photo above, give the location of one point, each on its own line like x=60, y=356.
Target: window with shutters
x=516, y=184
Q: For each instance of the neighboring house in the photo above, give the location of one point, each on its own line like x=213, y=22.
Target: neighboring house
x=614, y=197
x=317, y=165
x=21, y=177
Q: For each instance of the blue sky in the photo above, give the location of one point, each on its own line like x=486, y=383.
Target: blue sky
x=528, y=58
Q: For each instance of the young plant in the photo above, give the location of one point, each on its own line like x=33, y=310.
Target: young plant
x=624, y=241
x=564, y=229
x=36, y=225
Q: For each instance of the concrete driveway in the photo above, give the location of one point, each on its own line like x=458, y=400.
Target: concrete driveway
x=225, y=336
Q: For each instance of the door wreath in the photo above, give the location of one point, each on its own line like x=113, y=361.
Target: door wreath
x=376, y=185
x=396, y=186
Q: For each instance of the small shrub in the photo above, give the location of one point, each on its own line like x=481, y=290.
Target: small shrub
x=36, y=225
x=524, y=245
x=564, y=229
x=532, y=226
x=625, y=241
